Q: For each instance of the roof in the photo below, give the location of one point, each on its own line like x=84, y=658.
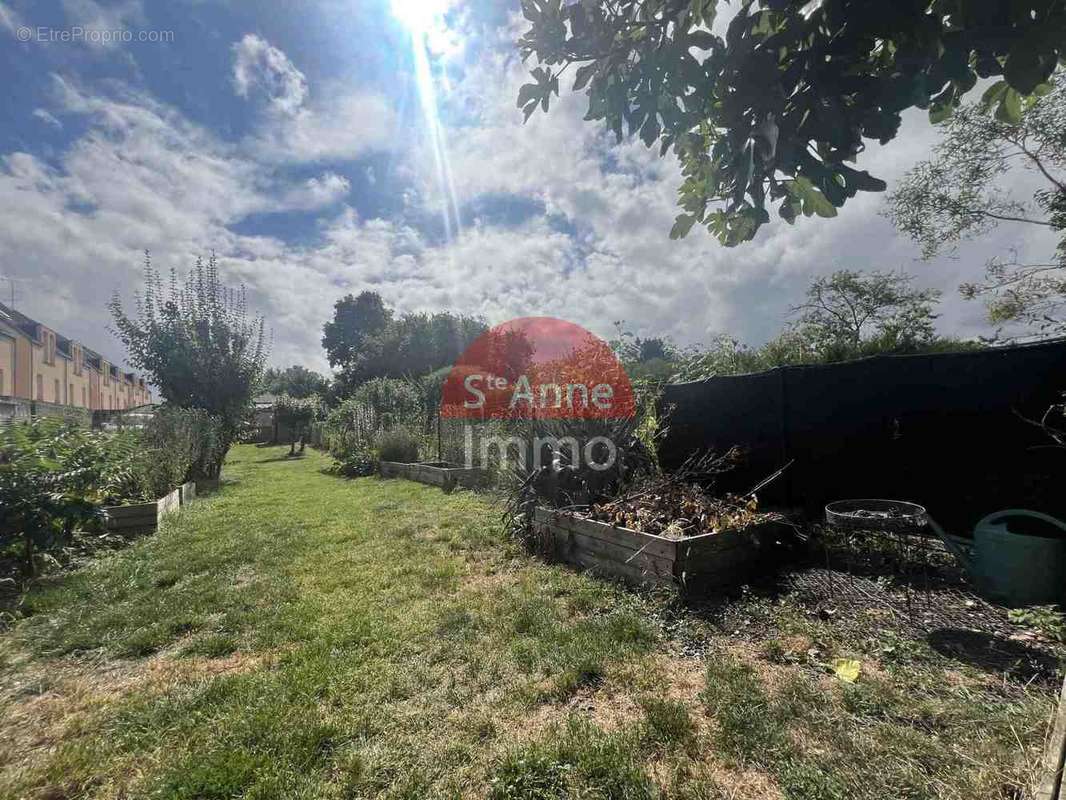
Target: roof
x=28, y=326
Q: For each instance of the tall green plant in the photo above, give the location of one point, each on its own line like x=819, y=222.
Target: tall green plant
x=197, y=342
x=50, y=471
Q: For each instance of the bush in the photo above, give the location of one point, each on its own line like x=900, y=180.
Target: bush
x=50, y=474
x=397, y=444
x=357, y=429
x=177, y=445
x=356, y=464
x=54, y=475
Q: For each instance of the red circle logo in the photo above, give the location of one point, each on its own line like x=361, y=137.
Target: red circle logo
x=537, y=368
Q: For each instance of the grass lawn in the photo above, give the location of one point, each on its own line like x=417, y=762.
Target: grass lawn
x=298, y=635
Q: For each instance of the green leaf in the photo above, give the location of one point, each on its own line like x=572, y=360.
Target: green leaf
x=787, y=211
x=527, y=94
x=682, y=225
x=1026, y=67
x=993, y=94
x=861, y=181
x=702, y=40
x=1010, y=108
x=584, y=74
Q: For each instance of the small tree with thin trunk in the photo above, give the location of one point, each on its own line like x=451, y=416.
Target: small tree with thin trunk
x=850, y=312
x=961, y=193
x=294, y=416
x=197, y=343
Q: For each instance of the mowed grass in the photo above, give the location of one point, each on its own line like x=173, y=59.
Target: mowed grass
x=303, y=636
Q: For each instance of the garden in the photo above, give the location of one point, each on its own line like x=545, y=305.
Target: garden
x=299, y=634
x=321, y=623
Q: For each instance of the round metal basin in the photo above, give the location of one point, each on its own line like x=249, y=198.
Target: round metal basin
x=875, y=515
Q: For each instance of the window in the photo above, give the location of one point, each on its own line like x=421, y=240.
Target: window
x=40, y=387
x=83, y=403
x=57, y=400
x=70, y=395
x=1, y=381
x=49, y=348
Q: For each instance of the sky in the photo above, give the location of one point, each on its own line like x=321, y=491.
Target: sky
x=326, y=148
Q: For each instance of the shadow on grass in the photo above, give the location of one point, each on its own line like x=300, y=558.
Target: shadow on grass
x=285, y=457
x=993, y=653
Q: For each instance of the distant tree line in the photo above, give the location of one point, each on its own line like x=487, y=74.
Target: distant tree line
x=844, y=316
x=366, y=339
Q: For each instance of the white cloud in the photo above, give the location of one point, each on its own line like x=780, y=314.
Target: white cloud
x=47, y=117
x=262, y=70
x=103, y=19
x=9, y=20
x=341, y=123
x=342, y=127
x=325, y=190
x=143, y=175
x=622, y=200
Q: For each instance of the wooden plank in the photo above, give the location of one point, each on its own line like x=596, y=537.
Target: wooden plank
x=135, y=510
x=169, y=504
x=188, y=492
x=389, y=469
x=139, y=523
x=643, y=561
x=609, y=565
x=1053, y=787
x=634, y=540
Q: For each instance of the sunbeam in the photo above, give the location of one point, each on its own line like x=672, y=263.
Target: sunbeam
x=421, y=17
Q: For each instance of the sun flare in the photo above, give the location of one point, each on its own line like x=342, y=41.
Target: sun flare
x=419, y=15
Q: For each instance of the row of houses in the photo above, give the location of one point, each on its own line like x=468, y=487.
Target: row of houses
x=41, y=366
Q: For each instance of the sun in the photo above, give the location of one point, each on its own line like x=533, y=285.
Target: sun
x=419, y=15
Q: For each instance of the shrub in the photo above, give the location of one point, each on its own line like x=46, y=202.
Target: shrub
x=397, y=444
x=177, y=445
x=392, y=401
x=356, y=464
x=50, y=471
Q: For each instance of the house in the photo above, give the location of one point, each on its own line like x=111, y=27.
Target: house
x=41, y=366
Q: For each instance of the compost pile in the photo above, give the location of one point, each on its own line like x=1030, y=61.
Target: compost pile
x=666, y=505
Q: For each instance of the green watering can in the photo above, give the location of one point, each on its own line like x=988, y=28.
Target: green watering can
x=1010, y=566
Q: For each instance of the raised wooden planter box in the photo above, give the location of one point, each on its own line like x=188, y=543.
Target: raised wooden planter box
x=439, y=473
x=145, y=517
x=696, y=565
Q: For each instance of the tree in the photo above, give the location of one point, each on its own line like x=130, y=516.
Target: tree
x=847, y=310
x=774, y=110
x=957, y=194
x=197, y=343
x=355, y=321
x=294, y=416
x=295, y=381
x=846, y=315
x=405, y=346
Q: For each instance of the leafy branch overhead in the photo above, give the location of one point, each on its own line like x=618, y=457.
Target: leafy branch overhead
x=770, y=115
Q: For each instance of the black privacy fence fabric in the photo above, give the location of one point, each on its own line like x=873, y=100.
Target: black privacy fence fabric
x=944, y=430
